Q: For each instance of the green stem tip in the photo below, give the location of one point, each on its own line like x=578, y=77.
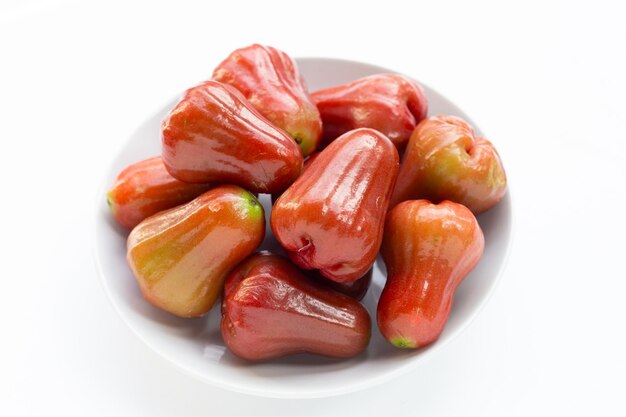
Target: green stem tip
x=403, y=343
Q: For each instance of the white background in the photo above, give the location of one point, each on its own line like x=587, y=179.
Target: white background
x=544, y=80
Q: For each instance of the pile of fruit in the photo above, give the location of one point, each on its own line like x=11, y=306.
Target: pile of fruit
x=331, y=162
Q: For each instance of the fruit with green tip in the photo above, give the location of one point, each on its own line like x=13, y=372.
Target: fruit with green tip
x=271, y=81
x=181, y=257
x=428, y=250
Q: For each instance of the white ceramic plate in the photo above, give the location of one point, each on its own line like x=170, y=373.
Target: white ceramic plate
x=195, y=345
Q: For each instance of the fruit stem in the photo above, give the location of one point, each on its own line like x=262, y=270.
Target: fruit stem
x=403, y=343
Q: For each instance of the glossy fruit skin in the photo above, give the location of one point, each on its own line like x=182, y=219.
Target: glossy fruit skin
x=428, y=250
x=446, y=161
x=214, y=135
x=270, y=309
x=307, y=163
x=390, y=103
x=146, y=188
x=309, y=160
x=181, y=257
x=332, y=216
x=355, y=289
x=271, y=81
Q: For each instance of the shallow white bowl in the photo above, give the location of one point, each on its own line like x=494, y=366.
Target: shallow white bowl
x=195, y=345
